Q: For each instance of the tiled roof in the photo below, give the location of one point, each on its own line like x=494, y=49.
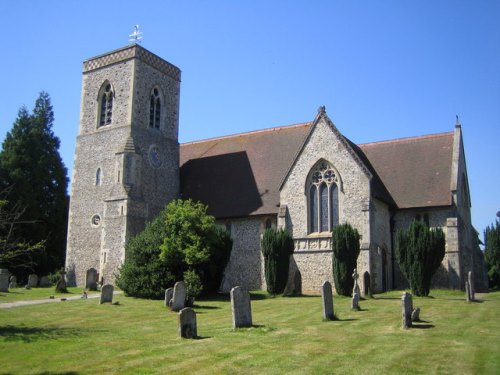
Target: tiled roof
x=240, y=175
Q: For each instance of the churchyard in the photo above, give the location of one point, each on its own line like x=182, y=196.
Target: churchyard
x=288, y=335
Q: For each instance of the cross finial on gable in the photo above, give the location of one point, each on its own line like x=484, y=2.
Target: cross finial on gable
x=458, y=122
x=322, y=110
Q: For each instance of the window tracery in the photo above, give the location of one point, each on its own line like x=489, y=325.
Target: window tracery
x=106, y=104
x=323, y=198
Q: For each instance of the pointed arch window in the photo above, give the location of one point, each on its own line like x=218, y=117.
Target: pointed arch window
x=323, y=200
x=155, y=109
x=105, y=104
x=98, y=177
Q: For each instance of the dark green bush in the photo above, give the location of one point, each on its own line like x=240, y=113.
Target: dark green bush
x=277, y=246
x=492, y=254
x=345, y=245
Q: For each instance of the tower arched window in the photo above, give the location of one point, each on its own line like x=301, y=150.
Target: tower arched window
x=155, y=109
x=106, y=96
x=323, y=198
x=98, y=177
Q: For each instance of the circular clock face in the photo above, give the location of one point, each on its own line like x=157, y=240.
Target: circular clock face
x=155, y=157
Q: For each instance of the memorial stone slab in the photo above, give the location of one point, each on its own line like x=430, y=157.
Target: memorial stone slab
x=32, y=280
x=169, y=293
x=407, y=307
x=355, y=288
x=91, y=279
x=472, y=289
x=415, y=315
x=241, y=307
x=179, y=296
x=13, y=282
x=4, y=280
x=107, y=293
x=187, y=323
x=327, y=299
x=355, y=302
x=44, y=282
x=467, y=292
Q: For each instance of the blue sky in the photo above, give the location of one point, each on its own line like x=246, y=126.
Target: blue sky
x=383, y=69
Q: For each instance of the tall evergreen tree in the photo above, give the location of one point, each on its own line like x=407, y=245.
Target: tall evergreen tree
x=345, y=245
x=277, y=246
x=31, y=165
x=492, y=253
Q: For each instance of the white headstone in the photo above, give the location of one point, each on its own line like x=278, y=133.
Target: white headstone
x=327, y=298
x=169, y=293
x=179, y=296
x=32, y=280
x=241, y=307
x=13, y=282
x=472, y=290
x=355, y=302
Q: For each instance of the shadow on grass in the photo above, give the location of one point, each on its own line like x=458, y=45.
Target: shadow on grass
x=422, y=326
x=31, y=334
x=203, y=307
x=57, y=373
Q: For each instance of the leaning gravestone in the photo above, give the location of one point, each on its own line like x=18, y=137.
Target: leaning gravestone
x=44, y=282
x=4, y=280
x=169, y=293
x=107, y=293
x=355, y=302
x=32, y=280
x=13, y=282
x=179, y=296
x=91, y=279
x=327, y=298
x=294, y=285
x=241, y=307
x=407, y=307
x=187, y=323
x=472, y=289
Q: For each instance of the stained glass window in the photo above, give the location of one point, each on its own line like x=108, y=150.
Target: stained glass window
x=313, y=209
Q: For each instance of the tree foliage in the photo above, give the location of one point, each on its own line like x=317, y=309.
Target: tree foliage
x=277, y=246
x=492, y=253
x=31, y=165
x=419, y=253
x=182, y=243
x=345, y=245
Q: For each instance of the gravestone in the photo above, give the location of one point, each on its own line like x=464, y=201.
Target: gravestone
x=107, y=293
x=4, y=280
x=472, y=289
x=467, y=292
x=407, y=307
x=32, y=280
x=294, y=285
x=355, y=288
x=169, y=293
x=61, y=283
x=366, y=284
x=241, y=307
x=327, y=298
x=415, y=315
x=44, y=282
x=91, y=279
x=187, y=323
x=355, y=302
x=13, y=282
x=179, y=296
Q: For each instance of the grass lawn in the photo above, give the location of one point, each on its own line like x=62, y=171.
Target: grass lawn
x=289, y=337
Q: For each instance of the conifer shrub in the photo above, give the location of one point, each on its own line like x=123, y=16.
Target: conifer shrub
x=277, y=246
x=492, y=253
x=419, y=252
x=345, y=245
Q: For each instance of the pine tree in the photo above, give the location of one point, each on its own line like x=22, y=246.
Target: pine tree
x=419, y=252
x=31, y=166
x=277, y=246
x=345, y=245
x=492, y=253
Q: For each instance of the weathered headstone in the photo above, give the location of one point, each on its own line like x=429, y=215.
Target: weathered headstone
x=91, y=279
x=179, y=296
x=355, y=302
x=13, y=282
x=407, y=307
x=366, y=284
x=467, y=292
x=169, y=293
x=32, y=280
x=187, y=323
x=4, y=280
x=355, y=288
x=107, y=293
x=472, y=289
x=44, y=281
x=294, y=285
x=327, y=298
x=61, y=283
x=241, y=307
x=415, y=315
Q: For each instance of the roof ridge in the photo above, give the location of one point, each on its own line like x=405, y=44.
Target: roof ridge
x=252, y=132
x=403, y=139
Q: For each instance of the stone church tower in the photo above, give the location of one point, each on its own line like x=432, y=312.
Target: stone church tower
x=126, y=164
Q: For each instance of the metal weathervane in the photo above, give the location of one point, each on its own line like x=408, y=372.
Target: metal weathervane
x=136, y=36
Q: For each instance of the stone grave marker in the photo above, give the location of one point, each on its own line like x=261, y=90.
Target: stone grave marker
x=107, y=293
x=355, y=288
x=13, y=282
x=472, y=289
x=241, y=307
x=467, y=292
x=327, y=298
x=32, y=280
x=415, y=315
x=407, y=307
x=91, y=279
x=169, y=293
x=4, y=280
x=187, y=323
x=179, y=296
x=44, y=282
x=294, y=285
x=355, y=302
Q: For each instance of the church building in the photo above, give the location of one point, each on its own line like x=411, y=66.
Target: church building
x=306, y=177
